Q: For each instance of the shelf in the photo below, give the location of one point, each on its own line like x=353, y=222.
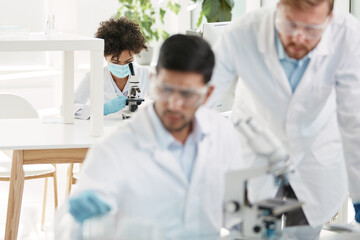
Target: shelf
x=60, y=42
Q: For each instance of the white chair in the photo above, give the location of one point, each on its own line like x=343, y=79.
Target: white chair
x=13, y=107
x=73, y=173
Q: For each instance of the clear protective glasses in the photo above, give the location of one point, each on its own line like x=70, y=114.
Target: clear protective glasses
x=293, y=28
x=186, y=97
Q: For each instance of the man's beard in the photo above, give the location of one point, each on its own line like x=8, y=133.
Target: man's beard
x=294, y=54
x=177, y=129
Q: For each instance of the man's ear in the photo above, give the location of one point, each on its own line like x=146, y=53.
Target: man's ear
x=208, y=94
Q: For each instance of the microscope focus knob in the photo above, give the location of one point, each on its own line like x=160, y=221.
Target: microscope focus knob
x=133, y=108
x=232, y=206
x=257, y=229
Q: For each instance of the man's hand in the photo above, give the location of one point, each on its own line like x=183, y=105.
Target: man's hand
x=87, y=205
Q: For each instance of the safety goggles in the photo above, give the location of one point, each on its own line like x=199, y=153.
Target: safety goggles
x=293, y=28
x=186, y=97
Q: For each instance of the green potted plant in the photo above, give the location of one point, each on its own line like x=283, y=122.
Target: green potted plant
x=143, y=13
x=215, y=10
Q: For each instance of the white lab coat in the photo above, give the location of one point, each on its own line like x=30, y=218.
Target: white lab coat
x=308, y=121
x=141, y=180
x=82, y=93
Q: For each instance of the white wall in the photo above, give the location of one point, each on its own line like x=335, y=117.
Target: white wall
x=355, y=8
x=25, y=73
x=342, y=5
x=268, y=3
x=27, y=14
x=42, y=70
x=40, y=76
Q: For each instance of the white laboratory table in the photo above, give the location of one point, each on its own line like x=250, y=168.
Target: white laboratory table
x=343, y=236
x=68, y=43
x=37, y=141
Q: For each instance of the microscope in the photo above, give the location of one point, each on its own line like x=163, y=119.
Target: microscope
x=261, y=220
x=133, y=96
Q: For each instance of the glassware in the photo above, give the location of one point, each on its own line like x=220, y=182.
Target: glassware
x=51, y=25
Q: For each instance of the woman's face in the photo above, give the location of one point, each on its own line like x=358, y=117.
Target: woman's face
x=125, y=57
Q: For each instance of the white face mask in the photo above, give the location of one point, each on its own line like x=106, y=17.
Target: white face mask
x=118, y=70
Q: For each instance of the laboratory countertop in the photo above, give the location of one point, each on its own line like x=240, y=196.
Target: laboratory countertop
x=24, y=134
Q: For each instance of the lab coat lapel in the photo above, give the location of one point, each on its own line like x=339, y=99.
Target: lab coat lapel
x=147, y=140
x=167, y=161
x=324, y=48
x=266, y=46
x=204, y=146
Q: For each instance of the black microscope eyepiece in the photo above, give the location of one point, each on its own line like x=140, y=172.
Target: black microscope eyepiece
x=132, y=69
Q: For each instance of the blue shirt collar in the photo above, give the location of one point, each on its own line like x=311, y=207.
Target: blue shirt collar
x=164, y=138
x=282, y=54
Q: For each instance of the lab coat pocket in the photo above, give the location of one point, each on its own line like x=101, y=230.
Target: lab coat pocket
x=318, y=95
x=212, y=187
x=327, y=149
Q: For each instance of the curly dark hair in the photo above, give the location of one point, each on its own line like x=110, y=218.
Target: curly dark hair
x=119, y=35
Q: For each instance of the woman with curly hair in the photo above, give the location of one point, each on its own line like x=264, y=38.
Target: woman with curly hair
x=123, y=39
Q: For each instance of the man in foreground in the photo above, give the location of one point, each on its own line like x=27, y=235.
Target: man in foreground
x=167, y=165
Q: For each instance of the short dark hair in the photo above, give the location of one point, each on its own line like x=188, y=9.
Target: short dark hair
x=119, y=35
x=187, y=53
x=307, y=4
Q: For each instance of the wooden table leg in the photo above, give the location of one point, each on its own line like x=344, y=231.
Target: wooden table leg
x=69, y=179
x=15, y=195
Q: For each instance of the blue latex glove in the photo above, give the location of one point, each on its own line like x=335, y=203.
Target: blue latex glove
x=87, y=205
x=357, y=211
x=114, y=105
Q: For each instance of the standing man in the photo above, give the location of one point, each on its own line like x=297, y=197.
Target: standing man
x=301, y=64
x=167, y=165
